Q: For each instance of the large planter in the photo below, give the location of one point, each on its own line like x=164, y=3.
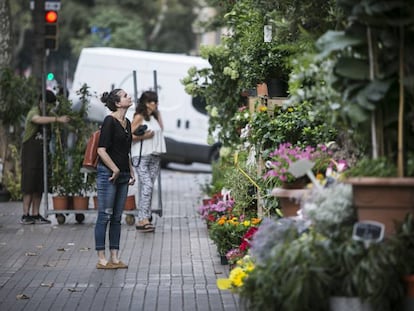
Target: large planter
x=385, y=200
x=290, y=200
x=348, y=304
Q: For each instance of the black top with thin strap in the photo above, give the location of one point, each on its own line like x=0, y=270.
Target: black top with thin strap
x=117, y=141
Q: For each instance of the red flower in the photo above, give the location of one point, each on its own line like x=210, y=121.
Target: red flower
x=246, y=239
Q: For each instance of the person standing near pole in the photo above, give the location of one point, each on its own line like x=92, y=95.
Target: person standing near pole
x=32, y=183
x=146, y=151
x=114, y=174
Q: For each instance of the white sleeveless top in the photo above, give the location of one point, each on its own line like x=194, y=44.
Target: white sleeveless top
x=154, y=145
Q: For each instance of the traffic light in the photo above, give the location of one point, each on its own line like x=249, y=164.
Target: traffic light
x=51, y=29
x=50, y=76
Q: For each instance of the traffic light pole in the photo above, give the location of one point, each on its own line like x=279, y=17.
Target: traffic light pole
x=45, y=179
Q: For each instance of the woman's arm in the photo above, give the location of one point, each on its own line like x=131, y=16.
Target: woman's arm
x=136, y=122
x=49, y=119
x=106, y=159
x=160, y=119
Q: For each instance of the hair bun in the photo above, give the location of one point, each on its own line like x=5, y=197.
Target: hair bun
x=104, y=97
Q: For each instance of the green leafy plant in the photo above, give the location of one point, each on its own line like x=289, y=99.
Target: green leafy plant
x=380, y=167
x=373, y=73
x=67, y=176
x=227, y=231
x=300, y=268
x=12, y=179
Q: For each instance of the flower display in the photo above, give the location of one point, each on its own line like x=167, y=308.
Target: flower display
x=237, y=275
x=228, y=231
x=211, y=211
x=236, y=254
x=286, y=154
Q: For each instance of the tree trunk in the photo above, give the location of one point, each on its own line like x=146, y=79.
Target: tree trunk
x=5, y=34
x=5, y=61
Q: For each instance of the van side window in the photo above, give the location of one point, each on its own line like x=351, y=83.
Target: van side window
x=199, y=103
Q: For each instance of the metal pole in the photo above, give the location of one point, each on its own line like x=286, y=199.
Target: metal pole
x=134, y=75
x=65, y=78
x=159, y=173
x=45, y=183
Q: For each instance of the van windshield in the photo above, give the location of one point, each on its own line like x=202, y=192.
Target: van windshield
x=199, y=104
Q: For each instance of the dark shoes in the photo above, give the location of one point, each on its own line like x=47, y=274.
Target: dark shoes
x=145, y=227
x=27, y=220
x=40, y=220
x=30, y=220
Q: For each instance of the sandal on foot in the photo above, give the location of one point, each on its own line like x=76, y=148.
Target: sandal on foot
x=108, y=265
x=145, y=228
x=119, y=265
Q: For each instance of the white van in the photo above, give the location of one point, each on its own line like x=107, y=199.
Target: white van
x=185, y=118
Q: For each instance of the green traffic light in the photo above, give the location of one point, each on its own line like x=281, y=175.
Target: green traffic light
x=50, y=76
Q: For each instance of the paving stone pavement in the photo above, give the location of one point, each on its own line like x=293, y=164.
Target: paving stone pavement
x=174, y=268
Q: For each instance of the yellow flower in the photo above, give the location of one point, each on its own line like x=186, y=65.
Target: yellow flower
x=221, y=221
x=290, y=109
x=319, y=176
x=236, y=276
x=262, y=108
x=255, y=221
x=223, y=284
x=246, y=223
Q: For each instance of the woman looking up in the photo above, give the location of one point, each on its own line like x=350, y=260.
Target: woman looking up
x=114, y=174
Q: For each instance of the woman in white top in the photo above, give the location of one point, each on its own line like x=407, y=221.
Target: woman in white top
x=146, y=150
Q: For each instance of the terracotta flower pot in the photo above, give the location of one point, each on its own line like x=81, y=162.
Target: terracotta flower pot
x=95, y=202
x=80, y=203
x=409, y=282
x=130, y=203
x=61, y=203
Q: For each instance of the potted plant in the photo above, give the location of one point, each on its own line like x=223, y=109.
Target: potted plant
x=313, y=267
x=227, y=233
x=374, y=72
x=68, y=179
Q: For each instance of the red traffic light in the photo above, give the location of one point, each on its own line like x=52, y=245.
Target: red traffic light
x=51, y=17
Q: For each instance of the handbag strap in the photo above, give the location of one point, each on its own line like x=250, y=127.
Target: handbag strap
x=140, y=153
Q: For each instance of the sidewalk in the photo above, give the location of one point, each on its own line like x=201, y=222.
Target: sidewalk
x=174, y=268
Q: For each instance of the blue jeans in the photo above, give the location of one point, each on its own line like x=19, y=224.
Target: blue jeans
x=111, y=201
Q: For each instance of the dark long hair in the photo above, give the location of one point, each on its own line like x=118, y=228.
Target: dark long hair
x=146, y=97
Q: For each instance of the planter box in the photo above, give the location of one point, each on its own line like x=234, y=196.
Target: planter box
x=290, y=200
x=385, y=200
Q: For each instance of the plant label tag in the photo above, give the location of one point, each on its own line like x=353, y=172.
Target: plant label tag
x=300, y=167
x=304, y=167
x=368, y=231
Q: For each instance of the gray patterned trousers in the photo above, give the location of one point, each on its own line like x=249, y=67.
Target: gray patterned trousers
x=147, y=172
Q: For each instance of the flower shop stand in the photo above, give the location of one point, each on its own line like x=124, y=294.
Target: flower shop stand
x=385, y=200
